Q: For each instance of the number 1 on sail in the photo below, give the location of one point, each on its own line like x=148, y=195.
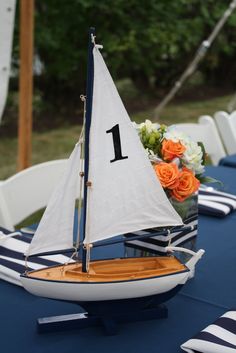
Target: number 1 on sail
x=116, y=143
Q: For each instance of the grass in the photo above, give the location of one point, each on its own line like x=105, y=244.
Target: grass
x=185, y=112
x=58, y=143
x=54, y=144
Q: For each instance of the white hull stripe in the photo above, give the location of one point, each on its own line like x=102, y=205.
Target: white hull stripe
x=84, y=291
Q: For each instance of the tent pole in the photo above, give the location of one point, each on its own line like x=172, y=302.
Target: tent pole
x=26, y=83
x=201, y=52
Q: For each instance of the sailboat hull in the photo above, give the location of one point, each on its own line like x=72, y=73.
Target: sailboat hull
x=114, y=307
x=113, y=285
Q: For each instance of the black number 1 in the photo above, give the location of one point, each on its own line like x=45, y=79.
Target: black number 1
x=116, y=142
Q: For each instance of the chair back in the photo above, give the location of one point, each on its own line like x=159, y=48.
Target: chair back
x=226, y=124
x=205, y=131
x=28, y=191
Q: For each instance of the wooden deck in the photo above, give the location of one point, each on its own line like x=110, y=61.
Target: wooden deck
x=112, y=270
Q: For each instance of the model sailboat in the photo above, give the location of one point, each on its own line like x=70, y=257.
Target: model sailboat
x=121, y=195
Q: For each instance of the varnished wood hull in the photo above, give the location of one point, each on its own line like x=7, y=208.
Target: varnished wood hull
x=110, y=280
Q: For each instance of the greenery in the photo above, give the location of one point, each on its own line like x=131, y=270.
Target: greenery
x=147, y=45
x=58, y=143
x=147, y=42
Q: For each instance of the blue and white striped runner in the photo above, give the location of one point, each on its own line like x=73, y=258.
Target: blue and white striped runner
x=215, y=203
x=157, y=244
x=12, y=260
x=220, y=337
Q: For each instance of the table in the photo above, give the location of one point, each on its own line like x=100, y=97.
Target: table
x=228, y=161
x=202, y=300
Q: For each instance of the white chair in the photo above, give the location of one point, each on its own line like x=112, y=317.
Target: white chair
x=205, y=131
x=226, y=124
x=28, y=191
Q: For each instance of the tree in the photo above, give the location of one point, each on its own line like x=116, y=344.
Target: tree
x=149, y=41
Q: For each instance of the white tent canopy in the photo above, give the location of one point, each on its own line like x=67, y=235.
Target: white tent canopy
x=7, y=15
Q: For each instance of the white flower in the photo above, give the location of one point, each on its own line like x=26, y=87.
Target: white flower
x=148, y=125
x=192, y=157
x=149, y=152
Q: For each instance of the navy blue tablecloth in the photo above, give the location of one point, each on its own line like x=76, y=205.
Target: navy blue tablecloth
x=203, y=299
x=228, y=161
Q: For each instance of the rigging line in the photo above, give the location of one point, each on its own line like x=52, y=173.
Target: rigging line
x=81, y=139
x=88, y=255
x=124, y=239
x=87, y=228
x=169, y=243
x=26, y=264
x=75, y=253
x=144, y=236
x=201, y=52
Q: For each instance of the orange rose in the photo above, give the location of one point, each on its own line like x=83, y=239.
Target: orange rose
x=171, y=149
x=168, y=174
x=188, y=184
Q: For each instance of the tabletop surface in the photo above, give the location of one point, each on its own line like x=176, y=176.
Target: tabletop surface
x=202, y=300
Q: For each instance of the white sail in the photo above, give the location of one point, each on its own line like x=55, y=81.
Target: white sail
x=125, y=195
x=55, y=231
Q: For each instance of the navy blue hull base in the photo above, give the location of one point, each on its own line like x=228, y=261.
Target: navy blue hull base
x=114, y=307
x=110, y=313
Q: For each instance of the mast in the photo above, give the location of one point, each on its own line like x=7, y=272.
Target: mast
x=89, y=99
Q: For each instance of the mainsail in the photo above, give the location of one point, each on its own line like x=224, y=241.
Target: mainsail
x=125, y=194
x=55, y=230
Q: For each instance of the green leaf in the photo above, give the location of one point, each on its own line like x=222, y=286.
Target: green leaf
x=207, y=180
x=204, y=154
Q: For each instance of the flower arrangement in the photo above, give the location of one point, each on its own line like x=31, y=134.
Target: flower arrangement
x=178, y=160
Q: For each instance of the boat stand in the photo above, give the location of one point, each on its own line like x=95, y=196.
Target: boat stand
x=110, y=324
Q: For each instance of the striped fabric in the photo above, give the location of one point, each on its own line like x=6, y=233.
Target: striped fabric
x=12, y=261
x=157, y=244
x=220, y=337
x=215, y=203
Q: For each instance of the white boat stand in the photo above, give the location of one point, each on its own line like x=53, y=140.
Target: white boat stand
x=109, y=324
